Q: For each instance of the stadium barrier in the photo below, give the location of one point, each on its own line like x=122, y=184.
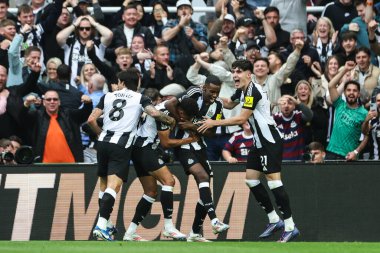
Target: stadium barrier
x=330, y=202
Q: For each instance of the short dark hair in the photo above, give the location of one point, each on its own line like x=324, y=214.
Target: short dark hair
x=189, y=106
x=278, y=56
x=214, y=80
x=24, y=8
x=316, y=146
x=261, y=59
x=31, y=49
x=15, y=137
x=364, y=50
x=352, y=82
x=64, y=72
x=348, y=35
x=6, y=2
x=359, y=2
x=271, y=9
x=152, y=93
x=130, y=78
x=243, y=65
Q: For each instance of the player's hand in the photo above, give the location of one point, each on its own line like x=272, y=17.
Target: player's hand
x=186, y=125
x=207, y=123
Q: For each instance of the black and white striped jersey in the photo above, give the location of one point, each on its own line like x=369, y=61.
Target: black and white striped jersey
x=261, y=121
x=122, y=111
x=212, y=111
x=148, y=128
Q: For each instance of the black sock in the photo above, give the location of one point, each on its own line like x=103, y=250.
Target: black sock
x=262, y=197
x=282, y=201
x=142, y=209
x=167, y=203
x=205, y=196
x=200, y=215
x=106, y=206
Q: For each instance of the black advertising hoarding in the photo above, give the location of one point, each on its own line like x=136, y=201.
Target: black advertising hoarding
x=330, y=202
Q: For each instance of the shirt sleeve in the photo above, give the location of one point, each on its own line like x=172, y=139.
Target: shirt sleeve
x=100, y=105
x=251, y=98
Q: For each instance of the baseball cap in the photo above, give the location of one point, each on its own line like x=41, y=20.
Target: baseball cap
x=245, y=22
x=183, y=2
x=213, y=40
x=229, y=17
x=252, y=44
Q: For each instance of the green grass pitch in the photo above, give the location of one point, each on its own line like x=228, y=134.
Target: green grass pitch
x=183, y=247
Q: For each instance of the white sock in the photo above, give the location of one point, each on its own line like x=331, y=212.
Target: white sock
x=109, y=223
x=215, y=220
x=273, y=217
x=289, y=224
x=168, y=223
x=102, y=223
x=132, y=228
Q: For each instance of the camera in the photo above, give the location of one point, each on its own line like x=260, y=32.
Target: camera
x=6, y=157
x=307, y=157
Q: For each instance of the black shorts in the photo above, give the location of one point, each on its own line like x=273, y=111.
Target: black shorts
x=268, y=158
x=145, y=159
x=113, y=160
x=190, y=157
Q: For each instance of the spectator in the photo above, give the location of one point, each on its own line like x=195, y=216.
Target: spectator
x=238, y=8
x=238, y=146
x=161, y=73
x=272, y=16
x=324, y=39
x=331, y=69
x=224, y=26
x=316, y=129
x=75, y=46
x=340, y=12
x=293, y=14
x=55, y=131
x=6, y=155
x=16, y=143
x=349, y=116
x=348, y=47
x=359, y=26
x=80, y=8
x=159, y=20
x=4, y=14
x=11, y=101
x=184, y=36
x=87, y=71
x=7, y=33
x=124, y=33
x=317, y=152
x=32, y=33
x=308, y=56
x=124, y=59
x=291, y=122
x=49, y=40
x=141, y=56
x=70, y=97
x=366, y=74
x=51, y=69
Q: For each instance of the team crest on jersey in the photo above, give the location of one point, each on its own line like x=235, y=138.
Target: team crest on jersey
x=248, y=101
x=190, y=161
x=293, y=124
x=219, y=116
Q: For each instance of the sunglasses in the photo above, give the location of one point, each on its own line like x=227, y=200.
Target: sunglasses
x=82, y=28
x=51, y=99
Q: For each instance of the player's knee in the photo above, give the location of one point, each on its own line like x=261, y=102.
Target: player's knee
x=151, y=193
x=273, y=184
x=202, y=177
x=168, y=181
x=252, y=182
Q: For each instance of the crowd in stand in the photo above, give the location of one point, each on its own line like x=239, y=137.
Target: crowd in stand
x=320, y=71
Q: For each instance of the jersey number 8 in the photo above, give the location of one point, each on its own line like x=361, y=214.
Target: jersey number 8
x=117, y=109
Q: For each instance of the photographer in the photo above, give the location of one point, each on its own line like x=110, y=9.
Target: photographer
x=315, y=153
x=6, y=156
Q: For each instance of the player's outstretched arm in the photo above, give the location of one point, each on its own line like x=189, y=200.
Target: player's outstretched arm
x=160, y=116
